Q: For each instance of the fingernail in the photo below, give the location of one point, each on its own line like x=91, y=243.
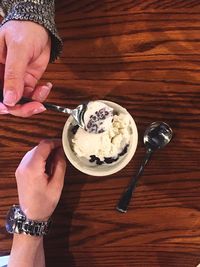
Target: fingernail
x=44, y=92
x=3, y=109
x=49, y=85
x=10, y=98
x=39, y=110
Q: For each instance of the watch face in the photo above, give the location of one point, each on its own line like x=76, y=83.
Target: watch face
x=10, y=220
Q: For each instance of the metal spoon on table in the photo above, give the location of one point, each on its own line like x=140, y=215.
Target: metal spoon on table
x=156, y=136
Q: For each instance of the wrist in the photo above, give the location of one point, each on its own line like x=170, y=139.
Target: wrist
x=26, y=244
x=35, y=215
x=27, y=240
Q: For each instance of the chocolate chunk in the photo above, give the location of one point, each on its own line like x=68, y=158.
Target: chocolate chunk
x=74, y=129
x=96, y=120
x=92, y=158
x=98, y=161
x=110, y=160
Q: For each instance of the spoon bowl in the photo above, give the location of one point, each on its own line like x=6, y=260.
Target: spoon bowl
x=157, y=135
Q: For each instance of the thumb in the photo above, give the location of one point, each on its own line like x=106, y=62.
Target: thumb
x=15, y=68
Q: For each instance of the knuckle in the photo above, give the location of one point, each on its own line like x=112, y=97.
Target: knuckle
x=19, y=172
x=42, y=68
x=18, y=42
x=11, y=74
x=23, y=171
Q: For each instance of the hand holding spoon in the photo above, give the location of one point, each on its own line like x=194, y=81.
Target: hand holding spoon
x=156, y=136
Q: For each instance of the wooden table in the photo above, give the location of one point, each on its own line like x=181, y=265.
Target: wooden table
x=144, y=55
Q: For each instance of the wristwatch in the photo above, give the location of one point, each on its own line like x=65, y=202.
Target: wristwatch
x=17, y=222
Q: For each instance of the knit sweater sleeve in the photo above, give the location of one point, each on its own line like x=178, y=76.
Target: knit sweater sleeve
x=39, y=11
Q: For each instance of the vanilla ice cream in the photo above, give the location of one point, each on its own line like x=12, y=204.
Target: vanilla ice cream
x=106, y=146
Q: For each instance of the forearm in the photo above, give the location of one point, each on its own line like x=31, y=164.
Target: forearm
x=39, y=11
x=27, y=251
x=40, y=257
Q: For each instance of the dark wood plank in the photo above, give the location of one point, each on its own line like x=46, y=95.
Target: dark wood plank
x=144, y=55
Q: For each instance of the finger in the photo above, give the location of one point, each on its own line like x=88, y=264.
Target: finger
x=41, y=92
x=31, y=78
x=45, y=147
x=26, y=110
x=57, y=178
x=28, y=91
x=15, y=67
x=3, y=109
x=30, y=82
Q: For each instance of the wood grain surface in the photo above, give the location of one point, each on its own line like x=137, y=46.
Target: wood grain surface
x=144, y=55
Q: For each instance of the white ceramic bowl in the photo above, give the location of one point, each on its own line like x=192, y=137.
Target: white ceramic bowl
x=104, y=169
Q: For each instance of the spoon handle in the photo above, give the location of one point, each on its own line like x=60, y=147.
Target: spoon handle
x=48, y=106
x=126, y=197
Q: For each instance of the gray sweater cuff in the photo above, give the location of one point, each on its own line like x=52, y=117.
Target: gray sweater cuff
x=39, y=11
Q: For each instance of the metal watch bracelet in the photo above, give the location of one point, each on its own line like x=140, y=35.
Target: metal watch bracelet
x=35, y=228
x=17, y=222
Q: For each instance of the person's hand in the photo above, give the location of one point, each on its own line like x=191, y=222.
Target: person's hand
x=24, y=55
x=40, y=178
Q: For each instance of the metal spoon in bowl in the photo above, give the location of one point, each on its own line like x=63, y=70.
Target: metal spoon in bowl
x=93, y=117
x=156, y=136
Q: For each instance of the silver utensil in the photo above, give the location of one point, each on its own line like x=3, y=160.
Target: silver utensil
x=156, y=136
x=77, y=113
